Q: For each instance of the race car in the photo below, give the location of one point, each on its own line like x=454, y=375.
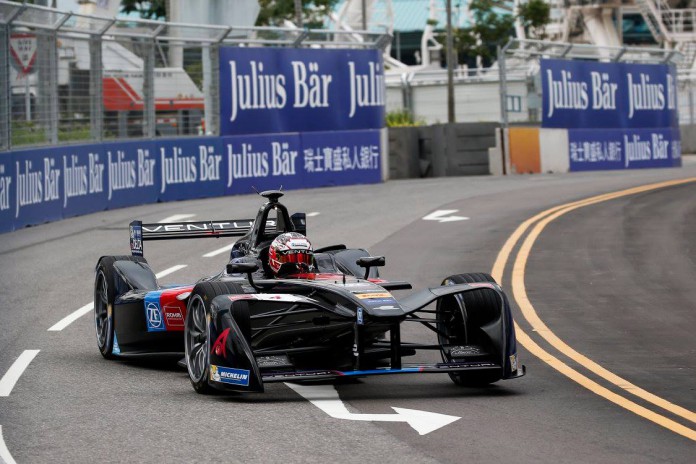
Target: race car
x=333, y=317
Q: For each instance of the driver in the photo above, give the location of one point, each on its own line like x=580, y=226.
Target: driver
x=290, y=253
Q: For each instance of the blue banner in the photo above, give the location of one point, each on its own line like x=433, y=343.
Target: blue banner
x=49, y=184
x=588, y=94
x=279, y=90
x=592, y=149
x=8, y=192
x=190, y=162
x=38, y=180
x=132, y=173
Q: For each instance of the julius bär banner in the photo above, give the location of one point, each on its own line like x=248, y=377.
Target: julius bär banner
x=588, y=94
x=279, y=90
x=591, y=149
x=49, y=184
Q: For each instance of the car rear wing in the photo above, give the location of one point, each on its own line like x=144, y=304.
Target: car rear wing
x=140, y=232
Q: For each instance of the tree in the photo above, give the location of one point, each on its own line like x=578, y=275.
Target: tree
x=483, y=38
x=273, y=12
x=535, y=15
x=152, y=9
x=493, y=29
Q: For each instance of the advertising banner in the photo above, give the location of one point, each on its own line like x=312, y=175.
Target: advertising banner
x=132, y=173
x=263, y=162
x=311, y=159
x=281, y=90
x=38, y=180
x=342, y=158
x=8, y=192
x=190, y=168
x=589, y=94
x=592, y=149
x=49, y=184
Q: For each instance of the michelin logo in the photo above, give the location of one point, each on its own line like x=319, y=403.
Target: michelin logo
x=230, y=376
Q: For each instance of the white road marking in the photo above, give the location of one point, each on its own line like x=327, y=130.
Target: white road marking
x=171, y=270
x=72, y=317
x=326, y=398
x=312, y=214
x=219, y=251
x=441, y=216
x=176, y=218
x=15, y=371
x=5, y=455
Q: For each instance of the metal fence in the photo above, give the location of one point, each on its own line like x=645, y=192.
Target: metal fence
x=66, y=77
x=510, y=92
x=522, y=56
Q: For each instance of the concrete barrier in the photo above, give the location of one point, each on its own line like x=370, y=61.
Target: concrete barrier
x=440, y=150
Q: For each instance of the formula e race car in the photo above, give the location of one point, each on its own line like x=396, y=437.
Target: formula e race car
x=246, y=327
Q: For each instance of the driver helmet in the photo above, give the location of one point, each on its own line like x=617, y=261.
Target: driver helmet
x=290, y=248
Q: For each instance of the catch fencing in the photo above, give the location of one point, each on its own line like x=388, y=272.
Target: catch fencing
x=69, y=78
x=510, y=91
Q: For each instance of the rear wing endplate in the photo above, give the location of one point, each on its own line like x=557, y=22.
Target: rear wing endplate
x=140, y=232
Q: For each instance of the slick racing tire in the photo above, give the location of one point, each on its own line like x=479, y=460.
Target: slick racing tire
x=460, y=316
x=197, y=330
x=104, y=297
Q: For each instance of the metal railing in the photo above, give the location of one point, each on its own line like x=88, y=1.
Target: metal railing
x=524, y=55
x=67, y=77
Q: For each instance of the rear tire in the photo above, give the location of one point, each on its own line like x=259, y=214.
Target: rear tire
x=197, y=330
x=460, y=316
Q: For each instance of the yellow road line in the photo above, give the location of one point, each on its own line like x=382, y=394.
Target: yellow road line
x=596, y=388
x=530, y=314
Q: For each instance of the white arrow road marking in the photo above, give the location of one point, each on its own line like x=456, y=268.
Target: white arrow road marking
x=441, y=216
x=326, y=398
x=219, y=251
x=72, y=317
x=177, y=218
x=5, y=455
x=312, y=214
x=15, y=371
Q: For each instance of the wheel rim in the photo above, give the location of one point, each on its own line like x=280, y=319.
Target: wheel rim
x=196, y=339
x=101, y=310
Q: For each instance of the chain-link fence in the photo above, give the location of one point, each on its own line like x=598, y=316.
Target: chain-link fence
x=67, y=77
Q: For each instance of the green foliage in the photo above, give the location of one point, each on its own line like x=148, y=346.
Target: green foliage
x=401, y=118
x=148, y=9
x=273, y=12
x=492, y=29
x=489, y=31
x=26, y=133
x=30, y=133
x=74, y=134
x=535, y=15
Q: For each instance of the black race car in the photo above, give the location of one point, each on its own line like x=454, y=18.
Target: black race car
x=241, y=329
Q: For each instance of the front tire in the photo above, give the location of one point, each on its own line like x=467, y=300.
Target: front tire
x=459, y=318
x=197, y=331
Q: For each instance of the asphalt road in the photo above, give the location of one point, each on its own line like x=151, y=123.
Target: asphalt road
x=613, y=280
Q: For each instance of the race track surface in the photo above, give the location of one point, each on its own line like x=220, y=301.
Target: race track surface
x=604, y=296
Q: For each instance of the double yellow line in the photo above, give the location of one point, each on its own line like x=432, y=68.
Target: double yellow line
x=539, y=222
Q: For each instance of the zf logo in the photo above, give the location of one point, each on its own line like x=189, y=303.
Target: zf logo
x=154, y=315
